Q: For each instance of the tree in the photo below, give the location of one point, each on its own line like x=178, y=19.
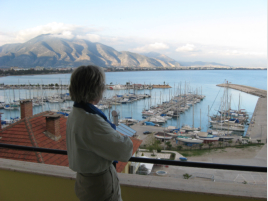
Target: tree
x=209, y=144
x=179, y=147
x=230, y=142
x=220, y=143
x=201, y=145
x=258, y=141
x=168, y=145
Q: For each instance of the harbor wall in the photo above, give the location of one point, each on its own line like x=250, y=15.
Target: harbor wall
x=258, y=124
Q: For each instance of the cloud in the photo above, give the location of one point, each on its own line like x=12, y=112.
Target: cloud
x=151, y=47
x=90, y=37
x=188, y=48
x=56, y=29
x=158, y=46
x=242, y=53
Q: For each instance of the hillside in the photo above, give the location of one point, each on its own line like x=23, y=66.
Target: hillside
x=48, y=51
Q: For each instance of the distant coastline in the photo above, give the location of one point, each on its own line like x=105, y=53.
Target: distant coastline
x=29, y=72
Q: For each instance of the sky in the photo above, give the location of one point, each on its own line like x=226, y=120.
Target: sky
x=231, y=32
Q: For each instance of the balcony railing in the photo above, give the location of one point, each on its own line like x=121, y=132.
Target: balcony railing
x=153, y=161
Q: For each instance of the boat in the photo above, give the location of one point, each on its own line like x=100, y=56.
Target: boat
x=188, y=140
x=188, y=128
x=156, y=120
x=11, y=107
x=183, y=159
x=128, y=121
x=230, y=128
x=117, y=87
x=147, y=112
x=170, y=128
x=163, y=137
x=208, y=138
x=219, y=132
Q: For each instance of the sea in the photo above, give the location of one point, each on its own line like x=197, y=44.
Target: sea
x=193, y=81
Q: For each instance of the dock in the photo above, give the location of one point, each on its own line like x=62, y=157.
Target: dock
x=167, y=108
x=258, y=124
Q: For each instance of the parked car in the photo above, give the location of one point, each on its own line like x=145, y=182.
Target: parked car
x=146, y=132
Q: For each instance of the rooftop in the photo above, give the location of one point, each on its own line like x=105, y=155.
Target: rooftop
x=30, y=131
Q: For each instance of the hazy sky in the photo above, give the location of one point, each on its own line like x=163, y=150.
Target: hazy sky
x=232, y=32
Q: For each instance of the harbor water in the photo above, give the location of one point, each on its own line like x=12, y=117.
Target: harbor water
x=194, y=81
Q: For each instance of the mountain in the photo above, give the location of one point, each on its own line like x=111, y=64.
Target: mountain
x=167, y=59
x=162, y=58
x=49, y=51
x=201, y=63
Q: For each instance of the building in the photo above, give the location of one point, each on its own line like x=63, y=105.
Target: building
x=39, y=68
x=45, y=130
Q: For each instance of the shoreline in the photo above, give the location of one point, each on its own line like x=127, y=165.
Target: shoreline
x=139, y=70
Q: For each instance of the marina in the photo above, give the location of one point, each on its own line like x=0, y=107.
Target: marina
x=137, y=106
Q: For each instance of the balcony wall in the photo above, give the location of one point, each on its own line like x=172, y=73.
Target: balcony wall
x=31, y=181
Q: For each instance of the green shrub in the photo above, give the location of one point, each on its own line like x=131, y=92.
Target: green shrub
x=172, y=156
x=186, y=176
x=179, y=147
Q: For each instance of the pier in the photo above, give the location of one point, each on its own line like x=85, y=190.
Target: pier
x=250, y=90
x=258, y=124
x=168, y=107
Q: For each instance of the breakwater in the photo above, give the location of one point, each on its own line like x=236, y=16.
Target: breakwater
x=247, y=89
x=258, y=124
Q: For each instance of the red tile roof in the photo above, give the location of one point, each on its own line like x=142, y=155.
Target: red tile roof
x=29, y=132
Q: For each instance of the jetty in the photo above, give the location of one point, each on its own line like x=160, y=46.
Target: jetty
x=250, y=90
x=161, y=86
x=258, y=124
x=170, y=106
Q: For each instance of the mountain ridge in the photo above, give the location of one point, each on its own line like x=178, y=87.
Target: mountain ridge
x=45, y=50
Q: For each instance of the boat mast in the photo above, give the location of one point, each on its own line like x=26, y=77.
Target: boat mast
x=19, y=88
x=42, y=97
x=239, y=103
x=193, y=114
x=200, y=120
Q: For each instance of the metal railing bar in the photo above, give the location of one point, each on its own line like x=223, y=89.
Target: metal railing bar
x=38, y=149
x=150, y=160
